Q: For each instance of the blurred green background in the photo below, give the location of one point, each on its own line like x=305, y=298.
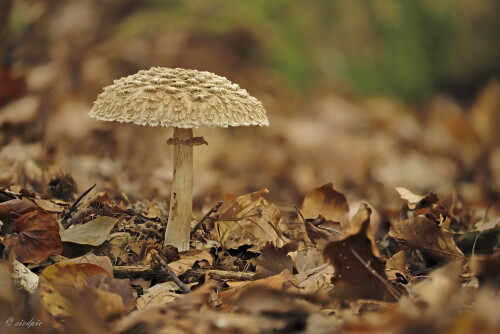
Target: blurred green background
x=397, y=47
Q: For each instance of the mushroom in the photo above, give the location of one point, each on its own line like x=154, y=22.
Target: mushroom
x=182, y=99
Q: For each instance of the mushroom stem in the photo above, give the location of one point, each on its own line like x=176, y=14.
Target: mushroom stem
x=181, y=202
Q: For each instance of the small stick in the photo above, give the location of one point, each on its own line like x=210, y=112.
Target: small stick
x=77, y=216
x=73, y=207
x=170, y=273
x=147, y=271
x=214, y=209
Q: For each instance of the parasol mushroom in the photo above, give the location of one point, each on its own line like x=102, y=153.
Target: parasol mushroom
x=182, y=99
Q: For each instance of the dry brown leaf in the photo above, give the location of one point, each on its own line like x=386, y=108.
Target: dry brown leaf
x=317, y=280
x=284, y=281
x=92, y=233
x=120, y=287
x=48, y=205
x=188, y=260
x=423, y=234
x=101, y=261
x=37, y=237
x=15, y=208
x=359, y=272
x=118, y=243
x=307, y=259
x=249, y=220
x=327, y=202
x=159, y=294
x=54, y=303
x=274, y=260
x=62, y=276
x=429, y=205
x=321, y=231
x=437, y=289
x=180, y=316
x=412, y=198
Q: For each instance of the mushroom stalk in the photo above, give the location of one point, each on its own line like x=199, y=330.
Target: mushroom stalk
x=181, y=203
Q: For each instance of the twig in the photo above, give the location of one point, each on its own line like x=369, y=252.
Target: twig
x=170, y=273
x=147, y=271
x=214, y=209
x=73, y=207
x=77, y=216
x=390, y=288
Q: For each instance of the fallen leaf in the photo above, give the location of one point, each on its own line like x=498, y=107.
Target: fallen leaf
x=359, y=272
x=274, y=260
x=25, y=277
x=429, y=205
x=141, y=282
x=284, y=281
x=138, y=247
x=92, y=233
x=439, y=287
x=317, y=280
x=421, y=233
x=321, y=231
x=412, y=198
x=15, y=208
x=179, y=316
x=48, y=205
x=37, y=237
x=62, y=276
x=273, y=303
x=120, y=287
x=95, y=303
x=101, y=261
x=306, y=259
x=249, y=220
x=328, y=202
x=188, y=260
x=159, y=294
x=55, y=304
x=119, y=242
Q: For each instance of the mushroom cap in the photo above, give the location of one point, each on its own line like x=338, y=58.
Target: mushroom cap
x=177, y=97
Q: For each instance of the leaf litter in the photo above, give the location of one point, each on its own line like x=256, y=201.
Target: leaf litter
x=426, y=263
x=292, y=290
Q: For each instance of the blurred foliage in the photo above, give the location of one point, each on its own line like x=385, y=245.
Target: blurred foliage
x=398, y=47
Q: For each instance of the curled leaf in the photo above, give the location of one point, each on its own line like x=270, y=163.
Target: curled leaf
x=327, y=202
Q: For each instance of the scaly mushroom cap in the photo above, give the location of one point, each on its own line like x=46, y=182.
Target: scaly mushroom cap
x=178, y=98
